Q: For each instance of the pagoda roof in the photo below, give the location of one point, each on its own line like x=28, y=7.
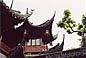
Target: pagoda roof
x=57, y=47
x=9, y=18
x=39, y=31
x=10, y=15
x=12, y=36
x=48, y=23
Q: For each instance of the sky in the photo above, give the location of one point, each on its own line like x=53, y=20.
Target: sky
x=44, y=10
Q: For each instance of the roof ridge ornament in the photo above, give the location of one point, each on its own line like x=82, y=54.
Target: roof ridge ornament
x=11, y=4
x=52, y=19
x=54, y=13
x=29, y=14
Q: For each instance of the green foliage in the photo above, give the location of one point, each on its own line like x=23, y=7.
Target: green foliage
x=67, y=13
x=68, y=24
x=82, y=26
x=84, y=20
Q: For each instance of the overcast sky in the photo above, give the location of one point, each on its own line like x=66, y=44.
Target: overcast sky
x=44, y=10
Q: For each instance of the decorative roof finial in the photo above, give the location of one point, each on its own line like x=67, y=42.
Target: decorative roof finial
x=11, y=4
x=27, y=11
x=29, y=14
x=54, y=12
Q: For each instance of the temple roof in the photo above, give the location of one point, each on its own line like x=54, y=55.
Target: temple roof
x=12, y=36
x=8, y=14
x=43, y=31
x=9, y=18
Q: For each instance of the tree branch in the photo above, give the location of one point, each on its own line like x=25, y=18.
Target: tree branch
x=72, y=29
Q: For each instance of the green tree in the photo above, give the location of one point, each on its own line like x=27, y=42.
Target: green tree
x=69, y=25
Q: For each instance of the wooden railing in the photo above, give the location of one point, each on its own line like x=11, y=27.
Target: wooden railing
x=35, y=48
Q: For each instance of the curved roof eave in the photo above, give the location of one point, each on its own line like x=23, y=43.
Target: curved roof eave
x=48, y=22
x=12, y=14
x=45, y=24
x=57, y=47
